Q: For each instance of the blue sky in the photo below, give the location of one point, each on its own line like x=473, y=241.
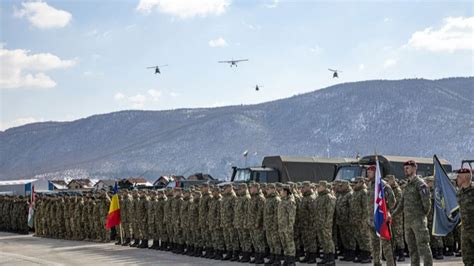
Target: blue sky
x=64, y=60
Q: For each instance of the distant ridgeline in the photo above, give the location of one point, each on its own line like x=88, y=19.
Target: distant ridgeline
x=413, y=117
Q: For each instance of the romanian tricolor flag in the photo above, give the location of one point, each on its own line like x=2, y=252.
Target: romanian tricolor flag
x=113, y=218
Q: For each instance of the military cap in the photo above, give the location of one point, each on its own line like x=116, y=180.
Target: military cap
x=225, y=184
x=323, y=183
x=254, y=184
x=285, y=186
x=271, y=185
x=290, y=183
x=306, y=184
x=463, y=171
x=390, y=177
x=410, y=163
x=242, y=185
x=205, y=184
x=278, y=184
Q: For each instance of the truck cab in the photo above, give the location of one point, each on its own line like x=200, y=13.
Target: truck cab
x=256, y=174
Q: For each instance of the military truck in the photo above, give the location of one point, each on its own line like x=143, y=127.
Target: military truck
x=284, y=169
x=389, y=165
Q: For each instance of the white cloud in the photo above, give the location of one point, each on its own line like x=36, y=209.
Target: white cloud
x=154, y=94
x=18, y=67
x=19, y=122
x=43, y=16
x=185, y=8
x=137, y=101
x=390, y=63
x=387, y=19
x=361, y=67
x=219, y=42
x=316, y=49
x=455, y=34
x=119, y=96
x=271, y=3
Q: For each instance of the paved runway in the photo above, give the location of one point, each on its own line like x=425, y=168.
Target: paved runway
x=29, y=250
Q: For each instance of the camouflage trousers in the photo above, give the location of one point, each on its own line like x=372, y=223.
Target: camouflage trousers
x=467, y=246
x=287, y=239
x=362, y=236
x=324, y=238
x=258, y=240
x=273, y=240
x=347, y=237
x=205, y=238
x=188, y=236
x=230, y=239
x=436, y=242
x=244, y=240
x=397, y=232
x=197, y=237
x=169, y=231
x=309, y=240
x=449, y=239
x=217, y=239
x=127, y=230
x=376, y=242
x=162, y=233
x=298, y=238
x=418, y=240
x=178, y=236
x=142, y=231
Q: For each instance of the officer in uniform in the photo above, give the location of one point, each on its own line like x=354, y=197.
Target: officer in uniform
x=466, y=206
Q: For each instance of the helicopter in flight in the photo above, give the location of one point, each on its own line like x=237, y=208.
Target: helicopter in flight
x=257, y=87
x=233, y=62
x=335, y=71
x=157, y=68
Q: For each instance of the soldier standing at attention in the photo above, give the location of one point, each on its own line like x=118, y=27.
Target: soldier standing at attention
x=376, y=240
x=359, y=208
x=307, y=217
x=215, y=224
x=185, y=221
x=325, y=205
x=466, y=206
x=415, y=205
x=344, y=220
x=168, y=218
x=161, y=222
x=175, y=210
x=227, y=218
x=436, y=242
x=270, y=222
x=255, y=222
x=195, y=227
x=203, y=219
x=240, y=222
x=397, y=221
x=286, y=222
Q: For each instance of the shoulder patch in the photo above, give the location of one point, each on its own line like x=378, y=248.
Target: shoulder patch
x=424, y=190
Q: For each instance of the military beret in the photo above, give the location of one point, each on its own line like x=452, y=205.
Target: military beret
x=371, y=168
x=463, y=171
x=271, y=185
x=410, y=163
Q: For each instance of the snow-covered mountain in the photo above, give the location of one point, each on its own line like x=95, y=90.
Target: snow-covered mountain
x=413, y=117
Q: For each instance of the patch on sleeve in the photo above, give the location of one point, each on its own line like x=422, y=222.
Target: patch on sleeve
x=424, y=190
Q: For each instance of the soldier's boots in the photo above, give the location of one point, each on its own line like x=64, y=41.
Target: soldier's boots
x=349, y=255
x=363, y=257
x=328, y=260
x=235, y=256
x=217, y=254
x=245, y=257
x=259, y=258
x=198, y=252
x=135, y=243
x=118, y=242
x=449, y=251
x=289, y=261
x=143, y=244
x=271, y=259
x=189, y=250
x=227, y=255
x=438, y=254
x=400, y=254
x=163, y=246
x=155, y=245
x=209, y=253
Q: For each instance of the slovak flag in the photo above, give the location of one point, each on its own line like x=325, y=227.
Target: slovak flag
x=380, y=206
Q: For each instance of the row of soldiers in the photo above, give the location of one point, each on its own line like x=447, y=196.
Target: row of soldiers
x=14, y=214
x=251, y=223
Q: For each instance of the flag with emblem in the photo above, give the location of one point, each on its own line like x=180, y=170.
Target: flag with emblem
x=113, y=218
x=380, y=206
x=446, y=208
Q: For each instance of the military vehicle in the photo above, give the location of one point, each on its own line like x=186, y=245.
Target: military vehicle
x=389, y=165
x=284, y=169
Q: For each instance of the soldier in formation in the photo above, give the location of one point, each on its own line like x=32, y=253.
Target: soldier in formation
x=255, y=222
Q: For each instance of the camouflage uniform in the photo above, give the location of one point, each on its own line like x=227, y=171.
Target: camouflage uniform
x=376, y=240
x=307, y=216
x=359, y=209
x=177, y=232
x=270, y=222
x=466, y=206
x=325, y=205
x=151, y=222
x=240, y=220
x=195, y=226
x=203, y=219
x=160, y=221
x=227, y=222
x=214, y=219
x=286, y=214
x=185, y=220
x=344, y=221
x=168, y=217
x=397, y=224
x=436, y=242
x=415, y=205
x=255, y=222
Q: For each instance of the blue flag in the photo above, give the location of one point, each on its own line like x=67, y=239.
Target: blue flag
x=446, y=215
